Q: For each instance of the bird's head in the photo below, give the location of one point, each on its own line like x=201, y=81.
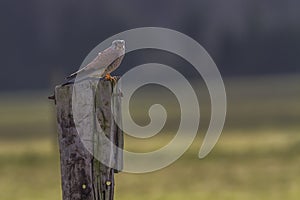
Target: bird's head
x=118, y=44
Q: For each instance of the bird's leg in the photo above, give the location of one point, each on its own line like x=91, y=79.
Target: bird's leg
x=109, y=77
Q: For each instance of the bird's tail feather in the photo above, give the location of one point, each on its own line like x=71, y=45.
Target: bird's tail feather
x=72, y=76
x=69, y=82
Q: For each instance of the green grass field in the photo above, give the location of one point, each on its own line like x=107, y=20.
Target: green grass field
x=257, y=156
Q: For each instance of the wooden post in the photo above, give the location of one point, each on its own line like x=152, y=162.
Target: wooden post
x=83, y=176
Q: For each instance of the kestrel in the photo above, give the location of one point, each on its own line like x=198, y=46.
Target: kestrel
x=106, y=62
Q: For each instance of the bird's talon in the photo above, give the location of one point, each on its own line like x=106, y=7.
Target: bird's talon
x=110, y=78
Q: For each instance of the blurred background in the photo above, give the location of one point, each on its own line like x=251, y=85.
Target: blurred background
x=255, y=45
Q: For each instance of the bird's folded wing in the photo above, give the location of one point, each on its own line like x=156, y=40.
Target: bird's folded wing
x=103, y=60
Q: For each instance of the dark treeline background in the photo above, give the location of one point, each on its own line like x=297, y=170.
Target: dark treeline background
x=43, y=38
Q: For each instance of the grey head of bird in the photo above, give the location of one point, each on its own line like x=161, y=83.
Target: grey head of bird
x=119, y=44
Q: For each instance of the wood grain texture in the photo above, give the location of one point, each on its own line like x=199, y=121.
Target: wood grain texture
x=84, y=176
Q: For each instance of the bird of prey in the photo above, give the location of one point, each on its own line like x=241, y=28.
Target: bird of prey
x=105, y=63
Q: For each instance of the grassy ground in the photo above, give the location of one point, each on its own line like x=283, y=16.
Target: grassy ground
x=257, y=156
x=260, y=165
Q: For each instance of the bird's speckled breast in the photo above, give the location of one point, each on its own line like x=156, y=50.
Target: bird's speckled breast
x=114, y=65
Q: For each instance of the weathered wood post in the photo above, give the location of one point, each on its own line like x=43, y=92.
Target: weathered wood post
x=83, y=176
